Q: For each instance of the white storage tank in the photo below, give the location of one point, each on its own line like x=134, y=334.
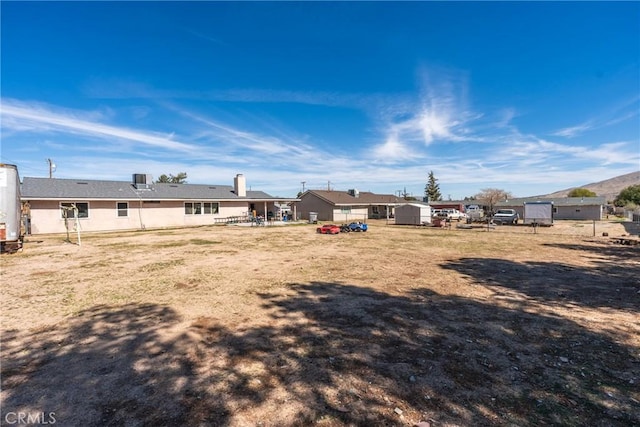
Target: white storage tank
x=10, y=208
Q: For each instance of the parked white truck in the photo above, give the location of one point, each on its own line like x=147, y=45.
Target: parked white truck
x=11, y=231
x=538, y=213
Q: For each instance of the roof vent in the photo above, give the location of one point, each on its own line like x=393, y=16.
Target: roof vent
x=142, y=181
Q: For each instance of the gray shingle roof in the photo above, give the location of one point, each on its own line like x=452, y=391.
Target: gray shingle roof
x=364, y=198
x=557, y=201
x=83, y=189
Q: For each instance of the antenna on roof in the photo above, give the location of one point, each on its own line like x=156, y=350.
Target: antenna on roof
x=52, y=167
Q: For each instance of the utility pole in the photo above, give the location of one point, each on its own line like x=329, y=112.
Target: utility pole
x=52, y=167
x=303, y=183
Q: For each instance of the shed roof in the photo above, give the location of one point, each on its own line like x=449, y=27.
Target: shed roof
x=344, y=198
x=416, y=204
x=83, y=189
x=557, y=201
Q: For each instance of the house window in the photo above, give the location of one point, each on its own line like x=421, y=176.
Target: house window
x=67, y=210
x=577, y=210
x=123, y=209
x=211, y=208
x=555, y=210
x=199, y=208
x=345, y=210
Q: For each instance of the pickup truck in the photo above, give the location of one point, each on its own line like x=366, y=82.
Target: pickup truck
x=506, y=216
x=453, y=214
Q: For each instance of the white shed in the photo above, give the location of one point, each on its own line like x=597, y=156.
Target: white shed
x=413, y=214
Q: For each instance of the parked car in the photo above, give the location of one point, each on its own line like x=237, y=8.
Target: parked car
x=453, y=214
x=358, y=226
x=506, y=216
x=328, y=229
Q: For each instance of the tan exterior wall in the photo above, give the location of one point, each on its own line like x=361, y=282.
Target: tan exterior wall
x=327, y=212
x=353, y=214
x=103, y=215
x=313, y=204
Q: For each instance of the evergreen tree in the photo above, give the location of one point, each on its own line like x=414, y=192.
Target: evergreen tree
x=432, y=189
x=180, y=178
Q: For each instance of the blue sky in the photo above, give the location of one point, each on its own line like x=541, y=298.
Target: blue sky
x=529, y=97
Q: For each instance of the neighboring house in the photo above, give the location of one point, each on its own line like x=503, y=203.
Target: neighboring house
x=414, y=213
x=450, y=204
x=579, y=208
x=120, y=205
x=345, y=206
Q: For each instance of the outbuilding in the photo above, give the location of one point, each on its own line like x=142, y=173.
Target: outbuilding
x=413, y=214
x=578, y=208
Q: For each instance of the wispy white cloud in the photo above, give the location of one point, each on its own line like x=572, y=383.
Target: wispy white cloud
x=624, y=111
x=439, y=113
x=411, y=137
x=126, y=89
x=572, y=131
x=37, y=117
x=214, y=40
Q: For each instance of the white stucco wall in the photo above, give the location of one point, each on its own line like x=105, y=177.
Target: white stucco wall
x=103, y=215
x=350, y=214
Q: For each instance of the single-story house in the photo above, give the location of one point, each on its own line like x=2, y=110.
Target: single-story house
x=578, y=208
x=53, y=204
x=346, y=206
x=449, y=204
x=414, y=213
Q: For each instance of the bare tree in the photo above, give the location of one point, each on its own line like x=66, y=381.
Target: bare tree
x=490, y=196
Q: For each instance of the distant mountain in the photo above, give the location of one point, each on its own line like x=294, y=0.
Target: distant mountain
x=608, y=188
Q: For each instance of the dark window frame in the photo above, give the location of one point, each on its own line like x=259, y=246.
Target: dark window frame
x=83, y=210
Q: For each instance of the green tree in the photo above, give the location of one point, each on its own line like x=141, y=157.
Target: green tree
x=432, y=189
x=491, y=196
x=180, y=178
x=581, y=192
x=628, y=196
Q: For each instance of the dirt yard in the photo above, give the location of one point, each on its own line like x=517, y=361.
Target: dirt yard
x=280, y=326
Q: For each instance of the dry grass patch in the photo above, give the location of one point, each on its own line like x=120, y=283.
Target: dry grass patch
x=280, y=326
